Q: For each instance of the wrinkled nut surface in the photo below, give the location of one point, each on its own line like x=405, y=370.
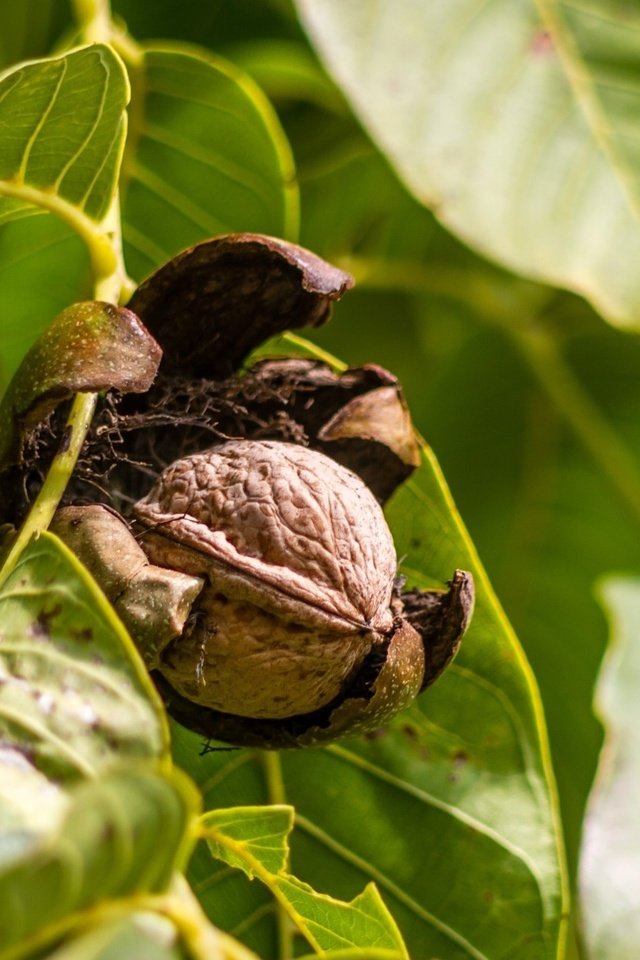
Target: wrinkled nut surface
x=299, y=566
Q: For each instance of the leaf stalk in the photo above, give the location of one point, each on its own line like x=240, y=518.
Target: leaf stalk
x=46, y=503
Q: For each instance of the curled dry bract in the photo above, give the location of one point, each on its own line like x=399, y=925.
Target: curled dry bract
x=90, y=346
x=213, y=303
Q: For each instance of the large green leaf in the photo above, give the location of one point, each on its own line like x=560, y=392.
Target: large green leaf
x=46, y=160
x=529, y=156
x=91, y=811
x=207, y=156
x=547, y=519
x=610, y=865
x=450, y=810
x=104, y=848
x=74, y=695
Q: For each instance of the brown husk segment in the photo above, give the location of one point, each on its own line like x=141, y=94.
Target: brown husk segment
x=153, y=603
x=441, y=619
x=212, y=304
x=89, y=347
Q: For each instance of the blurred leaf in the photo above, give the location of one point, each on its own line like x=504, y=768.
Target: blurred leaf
x=242, y=836
x=215, y=23
x=106, y=847
x=31, y=806
x=287, y=70
x=450, y=810
x=74, y=694
x=530, y=156
x=255, y=839
x=13, y=209
x=141, y=936
x=355, y=953
x=48, y=161
x=610, y=863
x=29, y=28
x=179, y=932
x=207, y=156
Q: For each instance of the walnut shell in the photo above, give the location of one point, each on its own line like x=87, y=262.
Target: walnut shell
x=300, y=566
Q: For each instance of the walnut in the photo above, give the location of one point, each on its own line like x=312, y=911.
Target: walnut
x=299, y=566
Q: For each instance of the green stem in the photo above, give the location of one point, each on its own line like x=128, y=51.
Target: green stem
x=111, y=282
x=273, y=775
x=94, y=20
x=277, y=795
x=104, y=261
x=52, y=489
x=114, y=287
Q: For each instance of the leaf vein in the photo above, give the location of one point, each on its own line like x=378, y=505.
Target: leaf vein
x=22, y=171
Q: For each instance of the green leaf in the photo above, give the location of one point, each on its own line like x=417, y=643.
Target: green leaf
x=530, y=157
x=610, y=864
x=255, y=839
x=243, y=835
x=329, y=924
x=106, y=847
x=70, y=169
x=207, y=157
x=15, y=209
x=450, y=810
x=356, y=953
x=74, y=694
x=48, y=161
